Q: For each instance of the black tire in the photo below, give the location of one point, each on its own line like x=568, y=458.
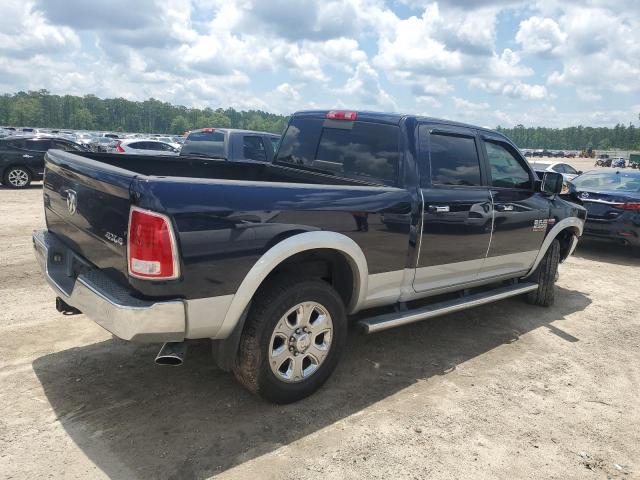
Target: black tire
x=252, y=367
x=17, y=177
x=545, y=276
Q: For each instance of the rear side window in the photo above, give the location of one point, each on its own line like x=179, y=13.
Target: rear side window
x=204, y=143
x=506, y=170
x=359, y=150
x=138, y=145
x=454, y=160
x=66, y=146
x=253, y=148
x=39, y=145
x=275, y=142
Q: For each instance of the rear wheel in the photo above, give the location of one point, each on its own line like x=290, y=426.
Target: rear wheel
x=545, y=276
x=292, y=340
x=17, y=177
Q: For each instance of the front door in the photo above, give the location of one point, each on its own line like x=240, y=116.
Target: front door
x=521, y=215
x=457, y=214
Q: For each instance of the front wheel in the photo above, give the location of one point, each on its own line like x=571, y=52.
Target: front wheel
x=545, y=276
x=17, y=177
x=292, y=340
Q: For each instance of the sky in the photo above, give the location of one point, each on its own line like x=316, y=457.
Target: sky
x=487, y=62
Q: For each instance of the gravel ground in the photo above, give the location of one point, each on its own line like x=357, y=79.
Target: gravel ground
x=506, y=390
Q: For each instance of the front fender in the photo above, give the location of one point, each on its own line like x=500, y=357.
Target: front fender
x=573, y=223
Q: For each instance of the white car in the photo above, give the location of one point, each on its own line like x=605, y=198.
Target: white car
x=170, y=140
x=567, y=171
x=141, y=146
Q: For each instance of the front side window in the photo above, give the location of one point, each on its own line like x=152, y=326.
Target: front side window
x=559, y=168
x=454, y=160
x=506, y=170
x=570, y=170
x=253, y=148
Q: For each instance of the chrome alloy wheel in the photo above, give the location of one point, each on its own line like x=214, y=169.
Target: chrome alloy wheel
x=300, y=342
x=18, y=177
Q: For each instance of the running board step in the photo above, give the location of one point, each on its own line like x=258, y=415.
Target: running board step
x=396, y=319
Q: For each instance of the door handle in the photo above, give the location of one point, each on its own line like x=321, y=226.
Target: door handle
x=27, y=156
x=504, y=208
x=439, y=208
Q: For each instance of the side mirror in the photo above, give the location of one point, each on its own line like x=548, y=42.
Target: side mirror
x=551, y=183
x=580, y=172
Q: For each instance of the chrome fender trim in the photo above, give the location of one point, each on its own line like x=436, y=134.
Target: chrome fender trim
x=285, y=249
x=571, y=222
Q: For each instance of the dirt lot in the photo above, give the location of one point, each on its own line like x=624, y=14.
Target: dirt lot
x=503, y=391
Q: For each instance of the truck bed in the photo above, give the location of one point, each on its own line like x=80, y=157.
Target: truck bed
x=197, y=167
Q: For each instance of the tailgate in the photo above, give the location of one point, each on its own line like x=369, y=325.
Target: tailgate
x=87, y=207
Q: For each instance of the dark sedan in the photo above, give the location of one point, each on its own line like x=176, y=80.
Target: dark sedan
x=22, y=158
x=612, y=200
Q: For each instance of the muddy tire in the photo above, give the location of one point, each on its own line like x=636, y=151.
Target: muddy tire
x=293, y=337
x=545, y=276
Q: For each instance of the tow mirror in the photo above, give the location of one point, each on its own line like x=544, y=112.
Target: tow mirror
x=551, y=183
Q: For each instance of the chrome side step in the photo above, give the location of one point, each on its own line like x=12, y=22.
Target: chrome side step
x=396, y=319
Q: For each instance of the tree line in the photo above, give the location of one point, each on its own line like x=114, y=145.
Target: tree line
x=41, y=109
x=45, y=110
x=620, y=137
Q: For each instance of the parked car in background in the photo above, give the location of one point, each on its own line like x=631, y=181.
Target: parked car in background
x=141, y=146
x=230, y=144
x=22, y=158
x=101, y=144
x=618, y=162
x=567, y=171
x=170, y=140
x=612, y=200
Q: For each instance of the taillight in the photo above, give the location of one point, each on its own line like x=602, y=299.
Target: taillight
x=119, y=147
x=341, y=115
x=151, y=246
x=629, y=206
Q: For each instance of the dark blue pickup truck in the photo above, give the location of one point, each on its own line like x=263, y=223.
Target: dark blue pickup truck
x=270, y=260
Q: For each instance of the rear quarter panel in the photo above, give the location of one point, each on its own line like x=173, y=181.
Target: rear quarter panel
x=223, y=227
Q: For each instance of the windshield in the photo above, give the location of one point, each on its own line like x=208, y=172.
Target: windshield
x=204, y=143
x=612, y=181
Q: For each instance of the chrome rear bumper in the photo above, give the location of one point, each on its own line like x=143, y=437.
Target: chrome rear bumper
x=108, y=304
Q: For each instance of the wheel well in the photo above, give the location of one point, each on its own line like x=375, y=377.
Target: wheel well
x=565, y=237
x=331, y=266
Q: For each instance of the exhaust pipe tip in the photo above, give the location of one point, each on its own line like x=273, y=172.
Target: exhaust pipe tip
x=172, y=354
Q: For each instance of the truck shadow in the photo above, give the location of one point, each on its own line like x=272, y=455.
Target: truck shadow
x=134, y=419
x=609, y=252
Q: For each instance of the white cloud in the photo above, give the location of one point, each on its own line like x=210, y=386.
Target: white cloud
x=363, y=89
x=540, y=36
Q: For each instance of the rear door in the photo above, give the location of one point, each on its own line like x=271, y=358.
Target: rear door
x=253, y=148
x=521, y=215
x=457, y=214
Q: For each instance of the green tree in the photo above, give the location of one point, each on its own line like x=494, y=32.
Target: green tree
x=179, y=125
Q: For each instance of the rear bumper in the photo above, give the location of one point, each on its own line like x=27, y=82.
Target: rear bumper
x=105, y=302
x=613, y=232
